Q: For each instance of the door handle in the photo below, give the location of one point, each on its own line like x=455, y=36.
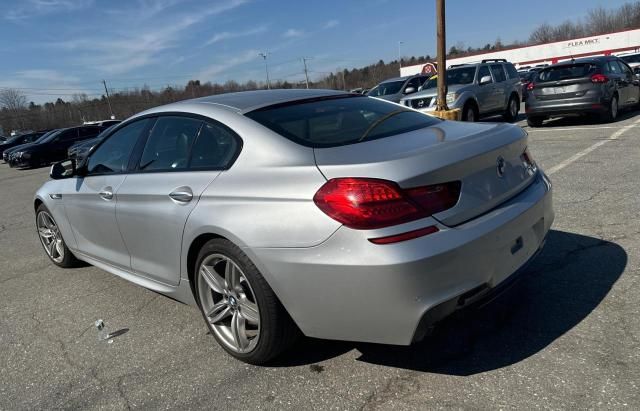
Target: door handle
x=106, y=193
x=182, y=194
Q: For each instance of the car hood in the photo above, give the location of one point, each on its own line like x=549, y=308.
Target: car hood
x=433, y=91
x=20, y=147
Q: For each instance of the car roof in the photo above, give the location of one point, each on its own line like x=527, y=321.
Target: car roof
x=246, y=101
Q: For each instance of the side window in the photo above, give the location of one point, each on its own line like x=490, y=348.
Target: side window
x=414, y=82
x=626, y=70
x=215, y=147
x=86, y=132
x=169, y=143
x=614, y=68
x=69, y=135
x=498, y=73
x=513, y=73
x=483, y=71
x=112, y=156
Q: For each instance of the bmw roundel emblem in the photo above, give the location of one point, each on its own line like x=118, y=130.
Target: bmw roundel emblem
x=500, y=166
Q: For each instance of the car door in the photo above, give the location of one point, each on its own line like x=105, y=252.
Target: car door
x=500, y=93
x=632, y=84
x=620, y=81
x=91, y=203
x=626, y=76
x=485, y=92
x=181, y=157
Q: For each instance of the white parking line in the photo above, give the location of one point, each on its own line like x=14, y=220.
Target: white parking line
x=530, y=130
x=586, y=151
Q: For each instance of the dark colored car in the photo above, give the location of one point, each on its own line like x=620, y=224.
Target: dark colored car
x=52, y=148
x=596, y=85
x=6, y=156
x=81, y=148
x=526, y=77
x=19, y=140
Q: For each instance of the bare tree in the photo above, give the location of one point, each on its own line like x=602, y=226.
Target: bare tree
x=12, y=99
x=542, y=34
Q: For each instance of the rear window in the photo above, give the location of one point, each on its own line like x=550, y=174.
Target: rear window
x=340, y=121
x=565, y=72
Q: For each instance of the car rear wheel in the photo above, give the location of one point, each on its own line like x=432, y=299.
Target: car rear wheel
x=612, y=112
x=470, y=113
x=534, y=121
x=52, y=241
x=240, y=309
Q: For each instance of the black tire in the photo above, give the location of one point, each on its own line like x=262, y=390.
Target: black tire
x=612, y=111
x=278, y=332
x=470, y=112
x=534, y=121
x=508, y=115
x=68, y=260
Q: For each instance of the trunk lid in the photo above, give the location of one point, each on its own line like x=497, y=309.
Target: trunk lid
x=450, y=151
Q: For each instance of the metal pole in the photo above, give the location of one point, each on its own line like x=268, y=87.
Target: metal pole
x=441, y=50
x=306, y=74
x=400, y=43
x=266, y=68
x=108, y=99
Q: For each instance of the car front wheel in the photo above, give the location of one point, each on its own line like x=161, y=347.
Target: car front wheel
x=52, y=241
x=240, y=309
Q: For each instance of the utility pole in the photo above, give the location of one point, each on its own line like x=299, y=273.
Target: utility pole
x=344, y=84
x=266, y=67
x=306, y=72
x=108, y=99
x=441, y=103
x=400, y=43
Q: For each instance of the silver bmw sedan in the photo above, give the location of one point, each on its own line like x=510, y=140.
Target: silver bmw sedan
x=314, y=212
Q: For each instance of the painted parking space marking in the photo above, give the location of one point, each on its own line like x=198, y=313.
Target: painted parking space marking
x=588, y=150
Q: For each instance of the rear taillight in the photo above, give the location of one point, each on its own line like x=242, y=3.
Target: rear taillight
x=599, y=78
x=531, y=86
x=368, y=203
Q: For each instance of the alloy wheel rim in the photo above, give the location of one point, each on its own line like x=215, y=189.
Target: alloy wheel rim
x=471, y=115
x=229, y=303
x=50, y=236
x=514, y=109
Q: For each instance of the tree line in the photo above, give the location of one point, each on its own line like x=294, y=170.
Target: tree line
x=16, y=114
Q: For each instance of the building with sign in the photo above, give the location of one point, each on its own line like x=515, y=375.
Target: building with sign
x=551, y=53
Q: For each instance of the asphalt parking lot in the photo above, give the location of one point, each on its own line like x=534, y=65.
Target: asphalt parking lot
x=568, y=336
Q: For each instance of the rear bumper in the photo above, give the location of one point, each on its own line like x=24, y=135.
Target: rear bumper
x=590, y=104
x=350, y=289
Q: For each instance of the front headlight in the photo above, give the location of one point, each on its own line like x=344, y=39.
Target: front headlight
x=451, y=97
x=25, y=155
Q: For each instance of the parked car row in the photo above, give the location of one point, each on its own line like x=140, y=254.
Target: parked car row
x=39, y=149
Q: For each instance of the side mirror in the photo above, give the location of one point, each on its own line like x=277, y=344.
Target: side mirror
x=409, y=90
x=63, y=169
x=485, y=80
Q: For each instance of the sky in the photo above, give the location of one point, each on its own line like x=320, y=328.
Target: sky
x=57, y=48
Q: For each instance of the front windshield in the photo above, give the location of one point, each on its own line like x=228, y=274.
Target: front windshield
x=387, y=88
x=44, y=136
x=49, y=136
x=458, y=76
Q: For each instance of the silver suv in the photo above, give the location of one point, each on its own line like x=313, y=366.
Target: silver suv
x=479, y=90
